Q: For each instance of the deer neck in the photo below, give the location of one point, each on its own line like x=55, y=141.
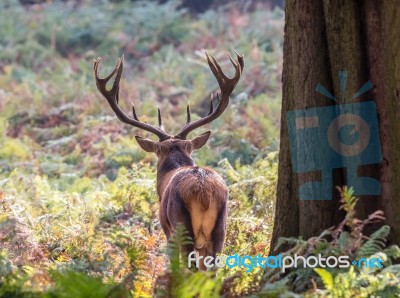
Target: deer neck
x=168, y=166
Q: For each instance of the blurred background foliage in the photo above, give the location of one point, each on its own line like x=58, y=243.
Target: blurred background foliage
x=78, y=207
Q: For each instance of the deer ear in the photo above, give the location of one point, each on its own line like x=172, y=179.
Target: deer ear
x=146, y=144
x=201, y=140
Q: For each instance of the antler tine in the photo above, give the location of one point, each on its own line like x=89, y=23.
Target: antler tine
x=240, y=60
x=102, y=82
x=134, y=112
x=188, y=114
x=226, y=84
x=159, y=119
x=112, y=97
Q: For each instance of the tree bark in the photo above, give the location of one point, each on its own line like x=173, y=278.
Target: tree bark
x=322, y=38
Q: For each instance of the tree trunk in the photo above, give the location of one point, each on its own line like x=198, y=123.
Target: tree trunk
x=321, y=39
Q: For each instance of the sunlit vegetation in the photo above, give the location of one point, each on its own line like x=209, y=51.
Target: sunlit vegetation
x=78, y=207
x=346, y=239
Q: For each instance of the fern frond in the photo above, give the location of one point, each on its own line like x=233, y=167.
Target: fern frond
x=393, y=252
x=326, y=277
x=375, y=243
x=176, y=245
x=200, y=284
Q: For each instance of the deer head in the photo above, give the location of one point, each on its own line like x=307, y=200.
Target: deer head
x=188, y=194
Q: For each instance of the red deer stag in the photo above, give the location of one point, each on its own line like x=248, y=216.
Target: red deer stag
x=193, y=196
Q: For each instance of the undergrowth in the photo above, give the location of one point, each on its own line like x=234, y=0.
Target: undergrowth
x=78, y=207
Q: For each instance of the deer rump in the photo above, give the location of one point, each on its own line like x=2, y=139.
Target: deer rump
x=197, y=198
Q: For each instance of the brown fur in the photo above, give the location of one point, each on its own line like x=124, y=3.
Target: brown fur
x=189, y=195
x=203, y=192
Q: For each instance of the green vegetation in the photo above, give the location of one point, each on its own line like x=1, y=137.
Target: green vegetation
x=347, y=239
x=78, y=208
x=77, y=194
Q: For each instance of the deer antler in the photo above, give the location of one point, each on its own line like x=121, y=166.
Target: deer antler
x=226, y=85
x=112, y=97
